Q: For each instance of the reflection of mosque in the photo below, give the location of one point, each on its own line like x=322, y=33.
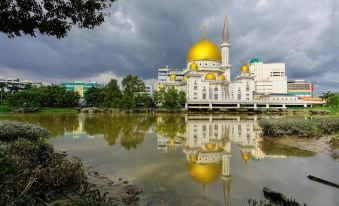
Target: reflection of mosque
x=207, y=145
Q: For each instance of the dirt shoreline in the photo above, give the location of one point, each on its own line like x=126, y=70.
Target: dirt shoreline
x=120, y=191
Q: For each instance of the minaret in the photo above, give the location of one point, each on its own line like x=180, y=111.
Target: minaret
x=225, y=48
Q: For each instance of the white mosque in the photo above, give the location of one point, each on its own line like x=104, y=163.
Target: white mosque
x=207, y=82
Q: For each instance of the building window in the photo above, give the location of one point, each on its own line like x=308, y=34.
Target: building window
x=247, y=87
x=204, y=93
x=195, y=85
x=216, y=93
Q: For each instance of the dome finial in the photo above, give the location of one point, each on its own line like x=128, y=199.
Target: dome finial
x=204, y=31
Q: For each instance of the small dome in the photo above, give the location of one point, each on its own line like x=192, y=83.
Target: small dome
x=221, y=77
x=210, y=147
x=244, y=68
x=254, y=60
x=193, y=158
x=194, y=66
x=210, y=76
x=173, y=77
x=203, y=50
x=246, y=155
x=184, y=78
x=172, y=142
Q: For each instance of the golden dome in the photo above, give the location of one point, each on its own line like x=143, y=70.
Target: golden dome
x=246, y=155
x=173, y=77
x=210, y=76
x=194, y=66
x=210, y=147
x=221, y=77
x=204, y=173
x=203, y=50
x=244, y=68
x=184, y=78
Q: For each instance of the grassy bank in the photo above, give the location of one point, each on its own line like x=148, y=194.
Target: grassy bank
x=32, y=173
x=4, y=108
x=7, y=109
x=299, y=127
x=56, y=110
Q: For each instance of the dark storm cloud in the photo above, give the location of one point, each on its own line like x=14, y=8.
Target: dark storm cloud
x=141, y=36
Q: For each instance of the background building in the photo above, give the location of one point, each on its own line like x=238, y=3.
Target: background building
x=80, y=87
x=300, y=88
x=15, y=84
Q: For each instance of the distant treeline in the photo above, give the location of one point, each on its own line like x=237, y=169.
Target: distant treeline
x=131, y=96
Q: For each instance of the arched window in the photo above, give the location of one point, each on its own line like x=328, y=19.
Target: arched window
x=204, y=93
x=239, y=93
x=216, y=93
x=247, y=87
x=195, y=85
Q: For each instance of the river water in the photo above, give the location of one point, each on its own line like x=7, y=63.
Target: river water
x=191, y=159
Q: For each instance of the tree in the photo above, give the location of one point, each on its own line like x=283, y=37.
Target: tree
x=2, y=89
x=133, y=85
x=58, y=96
x=25, y=99
x=50, y=17
x=112, y=94
x=173, y=100
x=94, y=96
x=331, y=99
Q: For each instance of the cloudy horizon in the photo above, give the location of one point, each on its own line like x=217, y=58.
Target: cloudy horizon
x=141, y=36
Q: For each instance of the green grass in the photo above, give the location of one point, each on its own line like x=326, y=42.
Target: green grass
x=4, y=108
x=57, y=110
x=332, y=110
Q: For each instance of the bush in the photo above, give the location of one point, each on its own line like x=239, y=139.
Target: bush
x=11, y=131
x=30, y=171
x=299, y=127
x=25, y=99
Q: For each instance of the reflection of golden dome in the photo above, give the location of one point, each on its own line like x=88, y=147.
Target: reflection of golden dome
x=184, y=78
x=210, y=147
x=203, y=50
x=193, y=158
x=194, y=66
x=221, y=145
x=221, y=77
x=244, y=68
x=210, y=76
x=204, y=173
x=246, y=155
x=171, y=142
x=173, y=77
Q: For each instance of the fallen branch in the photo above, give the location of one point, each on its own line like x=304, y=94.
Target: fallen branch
x=316, y=179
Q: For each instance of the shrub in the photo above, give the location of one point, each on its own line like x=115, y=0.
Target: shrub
x=11, y=131
x=299, y=127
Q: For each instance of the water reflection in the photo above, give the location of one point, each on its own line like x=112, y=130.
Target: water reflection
x=206, y=141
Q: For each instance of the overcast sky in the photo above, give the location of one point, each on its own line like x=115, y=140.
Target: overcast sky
x=142, y=35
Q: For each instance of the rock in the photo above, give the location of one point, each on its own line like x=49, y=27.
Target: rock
x=133, y=189
x=25, y=110
x=319, y=112
x=125, y=182
x=91, y=110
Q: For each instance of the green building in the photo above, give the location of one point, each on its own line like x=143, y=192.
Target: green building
x=80, y=87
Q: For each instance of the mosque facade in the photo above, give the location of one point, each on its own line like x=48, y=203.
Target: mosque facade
x=207, y=78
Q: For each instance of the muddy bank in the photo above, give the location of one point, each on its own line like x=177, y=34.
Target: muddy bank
x=316, y=145
x=120, y=191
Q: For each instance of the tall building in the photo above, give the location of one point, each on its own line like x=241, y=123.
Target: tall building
x=80, y=87
x=207, y=78
x=269, y=78
x=300, y=88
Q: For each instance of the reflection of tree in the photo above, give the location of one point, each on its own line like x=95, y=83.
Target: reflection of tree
x=56, y=124
x=272, y=148
x=129, y=128
x=171, y=125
